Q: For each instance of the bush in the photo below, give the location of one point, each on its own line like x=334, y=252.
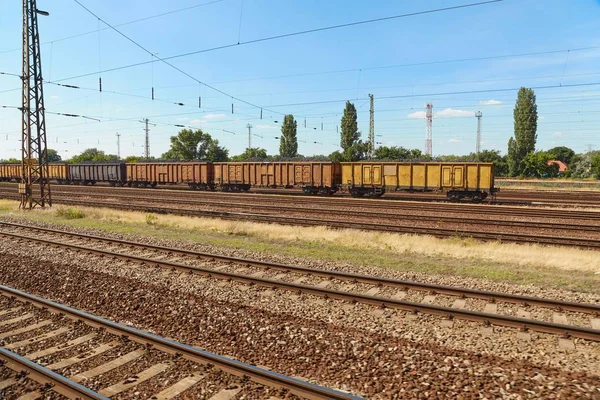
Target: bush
x=70, y=213
x=151, y=219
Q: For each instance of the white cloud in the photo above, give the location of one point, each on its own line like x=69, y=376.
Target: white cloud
x=417, y=115
x=490, y=102
x=213, y=116
x=451, y=112
x=557, y=134
x=182, y=119
x=196, y=121
x=260, y=126
x=454, y=140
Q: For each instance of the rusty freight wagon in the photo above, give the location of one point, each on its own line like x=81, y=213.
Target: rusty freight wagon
x=89, y=174
x=197, y=175
x=312, y=177
x=59, y=173
x=464, y=180
x=10, y=172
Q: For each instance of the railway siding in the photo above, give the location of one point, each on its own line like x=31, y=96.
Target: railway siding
x=296, y=280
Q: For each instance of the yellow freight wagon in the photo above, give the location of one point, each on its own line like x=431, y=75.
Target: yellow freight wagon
x=466, y=180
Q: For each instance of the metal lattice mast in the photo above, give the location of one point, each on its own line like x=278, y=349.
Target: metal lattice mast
x=428, y=130
x=371, y=129
x=34, y=153
x=478, y=114
x=147, y=152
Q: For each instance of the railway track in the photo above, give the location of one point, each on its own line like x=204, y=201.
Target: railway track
x=514, y=198
x=93, y=336
x=375, y=215
x=375, y=291
x=9, y=191
x=585, y=243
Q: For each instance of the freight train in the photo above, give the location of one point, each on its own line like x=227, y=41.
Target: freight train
x=472, y=181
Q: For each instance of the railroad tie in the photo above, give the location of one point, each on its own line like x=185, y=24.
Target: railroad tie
x=226, y=394
x=30, y=396
x=595, y=323
x=109, y=366
x=140, y=377
x=37, y=339
x=459, y=303
x=428, y=299
x=7, y=383
x=25, y=329
x=60, y=347
x=103, y=348
x=373, y=291
x=16, y=319
x=179, y=387
x=559, y=318
x=491, y=308
x=10, y=311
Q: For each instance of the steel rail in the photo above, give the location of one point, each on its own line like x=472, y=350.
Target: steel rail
x=256, y=374
x=496, y=319
x=42, y=375
x=378, y=227
x=394, y=202
x=368, y=279
x=370, y=214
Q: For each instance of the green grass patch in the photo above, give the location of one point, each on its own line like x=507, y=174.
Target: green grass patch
x=322, y=250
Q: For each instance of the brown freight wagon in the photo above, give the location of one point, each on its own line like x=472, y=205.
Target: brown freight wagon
x=197, y=175
x=312, y=177
x=10, y=172
x=470, y=180
x=59, y=172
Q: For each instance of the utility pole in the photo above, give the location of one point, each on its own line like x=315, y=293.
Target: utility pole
x=478, y=115
x=371, y=129
x=34, y=152
x=249, y=136
x=428, y=129
x=147, y=150
x=119, y=145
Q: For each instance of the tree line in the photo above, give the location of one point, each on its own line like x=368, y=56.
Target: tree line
x=521, y=160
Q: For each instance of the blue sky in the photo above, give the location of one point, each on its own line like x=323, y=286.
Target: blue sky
x=310, y=75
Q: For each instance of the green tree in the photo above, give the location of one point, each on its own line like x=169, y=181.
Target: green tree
x=562, y=153
x=93, y=155
x=525, y=130
x=216, y=153
x=535, y=165
x=194, y=145
x=254, y=153
x=133, y=159
x=349, y=134
x=288, y=141
x=53, y=156
x=397, y=153
x=596, y=165
x=11, y=160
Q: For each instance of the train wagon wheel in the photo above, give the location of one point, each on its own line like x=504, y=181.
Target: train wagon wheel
x=154, y=184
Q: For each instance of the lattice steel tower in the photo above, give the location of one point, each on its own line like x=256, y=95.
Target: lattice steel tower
x=371, y=128
x=34, y=154
x=478, y=115
x=428, y=129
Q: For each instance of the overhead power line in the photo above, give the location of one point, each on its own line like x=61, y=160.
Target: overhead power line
x=122, y=24
x=154, y=55
x=286, y=35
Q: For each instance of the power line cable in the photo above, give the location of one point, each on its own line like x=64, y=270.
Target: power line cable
x=286, y=35
x=123, y=24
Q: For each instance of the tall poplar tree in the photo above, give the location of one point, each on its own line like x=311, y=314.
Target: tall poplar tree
x=525, y=127
x=288, y=141
x=349, y=134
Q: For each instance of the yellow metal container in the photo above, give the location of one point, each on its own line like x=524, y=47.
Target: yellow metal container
x=459, y=180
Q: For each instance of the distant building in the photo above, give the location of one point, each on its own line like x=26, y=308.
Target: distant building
x=562, y=167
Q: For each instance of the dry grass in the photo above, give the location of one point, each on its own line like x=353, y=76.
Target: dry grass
x=459, y=250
